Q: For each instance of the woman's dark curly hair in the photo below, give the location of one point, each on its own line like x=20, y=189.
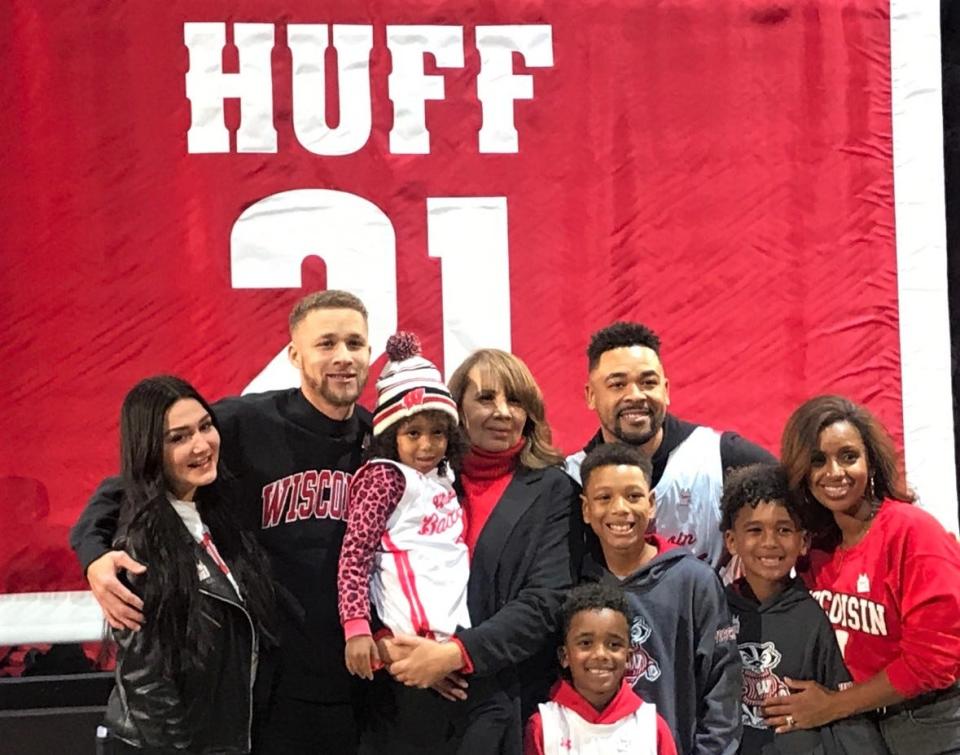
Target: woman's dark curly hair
x=384, y=445
x=801, y=441
x=749, y=485
x=152, y=531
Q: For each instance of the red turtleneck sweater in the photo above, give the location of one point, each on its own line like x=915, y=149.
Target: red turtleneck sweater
x=485, y=476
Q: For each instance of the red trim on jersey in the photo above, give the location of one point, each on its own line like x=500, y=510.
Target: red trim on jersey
x=408, y=586
x=424, y=629
x=623, y=704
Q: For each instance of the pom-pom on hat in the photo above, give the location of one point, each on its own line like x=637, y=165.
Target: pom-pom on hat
x=408, y=384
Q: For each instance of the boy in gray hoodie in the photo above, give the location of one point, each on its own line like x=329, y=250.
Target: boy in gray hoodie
x=685, y=657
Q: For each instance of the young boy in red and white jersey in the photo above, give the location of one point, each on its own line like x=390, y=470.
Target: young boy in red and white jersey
x=593, y=709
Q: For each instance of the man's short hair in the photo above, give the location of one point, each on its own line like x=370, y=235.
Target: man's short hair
x=619, y=335
x=592, y=596
x=615, y=455
x=753, y=484
x=331, y=299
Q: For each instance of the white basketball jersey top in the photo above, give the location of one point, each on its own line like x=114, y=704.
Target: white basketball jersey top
x=566, y=733
x=688, y=496
x=419, y=581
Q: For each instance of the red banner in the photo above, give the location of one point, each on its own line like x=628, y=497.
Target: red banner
x=177, y=175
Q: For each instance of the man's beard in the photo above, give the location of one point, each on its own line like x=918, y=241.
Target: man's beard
x=639, y=437
x=341, y=398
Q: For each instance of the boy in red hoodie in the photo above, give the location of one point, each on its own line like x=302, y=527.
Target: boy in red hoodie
x=593, y=710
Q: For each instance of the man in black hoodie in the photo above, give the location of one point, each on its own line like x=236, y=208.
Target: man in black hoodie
x=782, y=632
x=293, y=453
x=630, y=392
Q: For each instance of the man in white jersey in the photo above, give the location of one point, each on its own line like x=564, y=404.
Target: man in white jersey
x=628, y=389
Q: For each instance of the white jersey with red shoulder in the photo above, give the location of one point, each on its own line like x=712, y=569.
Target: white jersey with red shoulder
x=419, y=580
x=569, y=725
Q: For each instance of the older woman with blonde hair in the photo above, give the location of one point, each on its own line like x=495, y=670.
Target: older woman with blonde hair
x=519, y=504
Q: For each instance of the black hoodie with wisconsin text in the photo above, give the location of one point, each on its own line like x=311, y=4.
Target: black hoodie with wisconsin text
x=790, y=636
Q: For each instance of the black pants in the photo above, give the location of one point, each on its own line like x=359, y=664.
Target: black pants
x=291, y=727
x=400, y=720
x=303, y=727
x=108, y=745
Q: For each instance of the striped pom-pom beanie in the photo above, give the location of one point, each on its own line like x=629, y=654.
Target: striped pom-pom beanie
x=408, y=384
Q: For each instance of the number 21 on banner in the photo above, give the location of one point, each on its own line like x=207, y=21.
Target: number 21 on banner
x=271, y=239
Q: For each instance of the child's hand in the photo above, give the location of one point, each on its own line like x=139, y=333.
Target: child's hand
x=362, y=656
x=390, y=652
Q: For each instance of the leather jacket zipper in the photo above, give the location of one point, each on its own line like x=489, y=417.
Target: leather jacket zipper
x=254, y=660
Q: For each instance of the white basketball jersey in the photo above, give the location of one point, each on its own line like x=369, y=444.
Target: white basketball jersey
x=419, y=581
x=688, y=496
x=566, y=733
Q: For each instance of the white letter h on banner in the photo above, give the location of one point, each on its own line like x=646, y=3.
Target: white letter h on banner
x=208, y=86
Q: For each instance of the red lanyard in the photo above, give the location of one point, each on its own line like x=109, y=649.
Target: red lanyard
x=211, y=549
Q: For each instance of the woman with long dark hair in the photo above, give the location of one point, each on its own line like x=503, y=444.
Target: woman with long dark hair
x=888, y=576
x=184, y=682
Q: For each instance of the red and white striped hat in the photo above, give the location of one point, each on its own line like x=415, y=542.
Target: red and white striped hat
x=409, y=384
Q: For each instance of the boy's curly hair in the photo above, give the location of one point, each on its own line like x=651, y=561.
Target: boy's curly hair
x=592, y=596
x=748, y=486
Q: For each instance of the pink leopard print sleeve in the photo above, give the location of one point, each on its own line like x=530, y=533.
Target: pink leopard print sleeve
x=374, y=494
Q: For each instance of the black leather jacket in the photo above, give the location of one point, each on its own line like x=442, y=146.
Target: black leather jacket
x=204, y=710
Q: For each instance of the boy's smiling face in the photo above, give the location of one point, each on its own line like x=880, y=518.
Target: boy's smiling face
x=618, y=506
x=596, y=650
x=768, y=542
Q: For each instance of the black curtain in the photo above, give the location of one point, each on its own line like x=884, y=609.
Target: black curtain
x=950, y=54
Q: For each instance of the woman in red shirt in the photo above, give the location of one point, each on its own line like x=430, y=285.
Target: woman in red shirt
x=888, y=576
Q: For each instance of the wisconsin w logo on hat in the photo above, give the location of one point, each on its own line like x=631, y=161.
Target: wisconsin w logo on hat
x=408, y=384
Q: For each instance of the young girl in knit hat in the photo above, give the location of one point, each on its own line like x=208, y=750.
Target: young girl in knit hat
x=404, y=551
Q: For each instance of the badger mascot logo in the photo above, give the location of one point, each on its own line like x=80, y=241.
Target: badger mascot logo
x=759, y=682
x=642, y=665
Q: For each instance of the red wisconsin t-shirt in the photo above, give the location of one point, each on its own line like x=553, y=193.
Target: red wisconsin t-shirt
x=894, y=600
